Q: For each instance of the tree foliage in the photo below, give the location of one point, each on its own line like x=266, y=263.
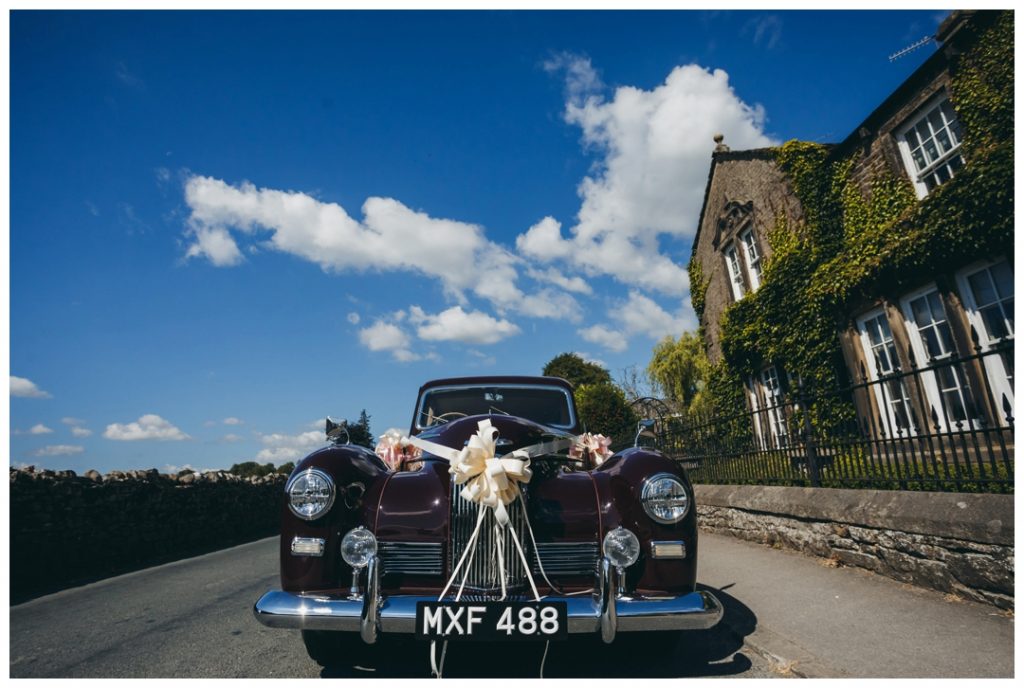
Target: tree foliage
x=603, y=409
x=359, y=432
x=250, y=469
x=679, y=369
x=571, y=367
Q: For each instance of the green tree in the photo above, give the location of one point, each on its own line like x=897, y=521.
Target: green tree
x=248, y=469
x=679, y=369
x=571, y=367
x=286, y=468
x=360, y=433
x=603, y=409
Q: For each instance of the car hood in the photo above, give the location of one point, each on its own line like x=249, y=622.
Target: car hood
x=513, y=432
x=416, y=505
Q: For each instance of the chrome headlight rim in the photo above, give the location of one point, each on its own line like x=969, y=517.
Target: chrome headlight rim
x=646, y=498
x=306, y=474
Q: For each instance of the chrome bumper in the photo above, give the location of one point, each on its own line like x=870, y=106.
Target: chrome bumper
x=604, y=612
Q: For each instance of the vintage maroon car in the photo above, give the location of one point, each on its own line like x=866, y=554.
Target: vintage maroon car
x=367, y=550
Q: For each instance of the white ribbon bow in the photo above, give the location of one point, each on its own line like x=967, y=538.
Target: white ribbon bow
x=486, y=478
x=493, y=482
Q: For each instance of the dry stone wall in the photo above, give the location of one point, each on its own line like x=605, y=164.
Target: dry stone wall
x=68, y=529
x=956, y=543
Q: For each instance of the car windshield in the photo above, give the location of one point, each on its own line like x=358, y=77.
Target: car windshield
x=541, y=404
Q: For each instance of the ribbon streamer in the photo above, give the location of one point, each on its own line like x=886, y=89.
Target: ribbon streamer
x=493, y=483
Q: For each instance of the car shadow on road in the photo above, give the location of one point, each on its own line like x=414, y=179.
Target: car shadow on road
x=714, y=652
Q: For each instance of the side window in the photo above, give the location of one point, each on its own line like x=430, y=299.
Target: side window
x=932, y=342
x=884, y=375
x=930, y=145
x=987, y=291
x=771, y=390
x=732, y=261
x=753, y=259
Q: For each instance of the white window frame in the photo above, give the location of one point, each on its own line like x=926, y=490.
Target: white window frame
x=886, y=407
x=917, y=177
x=735, y=271
x=930, y=378
x=778, y=426
x=748, y=241
x=994, y=367
x=755, y=407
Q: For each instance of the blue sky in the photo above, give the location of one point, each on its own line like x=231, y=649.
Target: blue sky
x=227, y=225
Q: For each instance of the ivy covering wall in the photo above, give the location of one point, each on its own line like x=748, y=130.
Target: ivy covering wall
x=855, y=244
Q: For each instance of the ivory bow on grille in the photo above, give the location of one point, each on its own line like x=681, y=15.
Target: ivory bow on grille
x=487, y=479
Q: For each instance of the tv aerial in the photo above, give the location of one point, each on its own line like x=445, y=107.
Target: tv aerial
x=911, y=48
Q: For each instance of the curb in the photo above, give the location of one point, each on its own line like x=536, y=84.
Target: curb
x=785, y=656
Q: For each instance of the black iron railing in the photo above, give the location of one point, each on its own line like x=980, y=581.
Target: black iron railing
x=946, y=426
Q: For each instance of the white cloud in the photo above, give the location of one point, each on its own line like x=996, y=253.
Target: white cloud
x=386, y=336
x=231, y=437
x=591, y=359
x=639, y=315
x=383, y=336
x=766, y=28
x=59, y=450
x=216, y=244
x=560, y=279
x=602, y=335
x=81, y=432
x=68, y=420
x=353, y=318
x=390, y=237
x=233, y=421
x=482, y=359
x=279, y=448
x=457, y=325
x=279, y=455
x=39, y=429
x=172, y=469
x=147, y=427
x=647, y=188
x=23, y=387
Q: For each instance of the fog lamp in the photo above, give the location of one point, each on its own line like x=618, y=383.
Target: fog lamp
x=621, y=548
x=357, y=547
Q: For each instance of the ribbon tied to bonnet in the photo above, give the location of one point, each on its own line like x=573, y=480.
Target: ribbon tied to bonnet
x=492, y=482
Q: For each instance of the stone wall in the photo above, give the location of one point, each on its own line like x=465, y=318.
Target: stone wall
x=68, y=529
x=955, y=543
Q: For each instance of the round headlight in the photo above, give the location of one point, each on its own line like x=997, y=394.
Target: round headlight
x=665, y=499
x=621, y=547
x=357, y=547
x=310, y=494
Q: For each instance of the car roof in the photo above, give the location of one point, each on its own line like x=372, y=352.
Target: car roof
x=497, y=380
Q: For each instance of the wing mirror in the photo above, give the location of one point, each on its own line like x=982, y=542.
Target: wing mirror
x=335, y=430
x=644, y=428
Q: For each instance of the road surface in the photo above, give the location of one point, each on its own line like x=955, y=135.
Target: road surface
x=193, y=618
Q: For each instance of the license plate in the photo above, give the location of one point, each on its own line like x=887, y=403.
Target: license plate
x=493, y=621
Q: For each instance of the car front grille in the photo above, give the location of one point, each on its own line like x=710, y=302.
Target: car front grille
x=484, y=574
x=412, y=558
x=566, y=558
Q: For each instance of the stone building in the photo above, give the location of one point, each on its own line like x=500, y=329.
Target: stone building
x=949, y=323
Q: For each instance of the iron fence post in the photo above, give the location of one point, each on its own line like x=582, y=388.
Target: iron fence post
x=810, y=446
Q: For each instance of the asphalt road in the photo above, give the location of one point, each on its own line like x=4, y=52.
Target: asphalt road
x=193, y=618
